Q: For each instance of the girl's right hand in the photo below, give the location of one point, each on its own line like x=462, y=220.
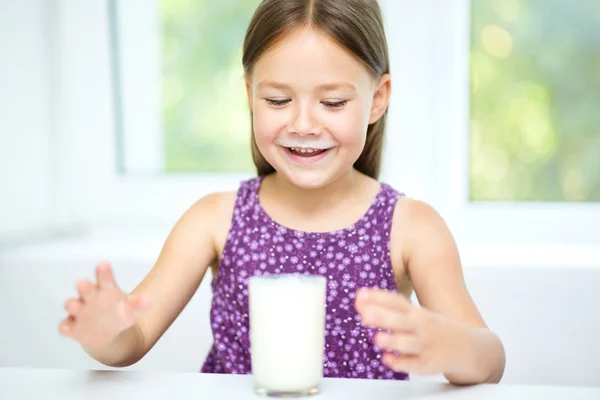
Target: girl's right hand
x=102, y=311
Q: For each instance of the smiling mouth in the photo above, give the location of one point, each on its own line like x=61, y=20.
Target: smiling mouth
x=304, y=152
x=306, y=155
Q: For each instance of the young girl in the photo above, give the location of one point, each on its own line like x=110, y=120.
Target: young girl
x=318, y=84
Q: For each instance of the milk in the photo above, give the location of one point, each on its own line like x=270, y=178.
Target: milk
x=287, y=333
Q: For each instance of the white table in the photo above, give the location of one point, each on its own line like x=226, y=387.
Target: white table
x=24, y=383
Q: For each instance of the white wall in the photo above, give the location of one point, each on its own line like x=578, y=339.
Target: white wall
x=25, y=117
x=548, y=319
x=35, y=282
x=546, y=315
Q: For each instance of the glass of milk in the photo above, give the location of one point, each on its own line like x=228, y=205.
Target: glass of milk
x=287, y=333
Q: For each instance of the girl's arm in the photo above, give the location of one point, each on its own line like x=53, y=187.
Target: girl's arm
x=183, y=261
x=119, y=329
x=435, y=270
x=447, y=333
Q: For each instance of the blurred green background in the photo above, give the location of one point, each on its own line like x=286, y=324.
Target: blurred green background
x=535, y=95
x=205, y=113
x=535, y=100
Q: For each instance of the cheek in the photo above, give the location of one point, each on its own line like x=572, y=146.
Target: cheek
x=350, y=127
x=268, y=124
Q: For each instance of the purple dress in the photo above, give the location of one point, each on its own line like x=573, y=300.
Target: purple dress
x=350, y=259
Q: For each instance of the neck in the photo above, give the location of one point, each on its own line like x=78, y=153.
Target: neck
x=319, y=199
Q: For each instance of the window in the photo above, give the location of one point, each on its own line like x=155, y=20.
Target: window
x=517, y=148
x=206, y=118
x=178, y=78
x=535, y=94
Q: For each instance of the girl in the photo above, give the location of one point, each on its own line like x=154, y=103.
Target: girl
x=318, y=85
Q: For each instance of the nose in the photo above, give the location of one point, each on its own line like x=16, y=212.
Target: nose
x=303, y=122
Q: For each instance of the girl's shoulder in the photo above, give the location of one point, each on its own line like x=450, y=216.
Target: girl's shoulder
x=222, y=203
x=417, y=229
x=218, y=208
x=209, y=212
x=415, y=215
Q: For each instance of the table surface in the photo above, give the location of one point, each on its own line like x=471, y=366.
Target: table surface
x=31, y=383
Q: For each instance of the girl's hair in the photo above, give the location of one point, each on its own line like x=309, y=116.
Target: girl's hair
x=357, y=25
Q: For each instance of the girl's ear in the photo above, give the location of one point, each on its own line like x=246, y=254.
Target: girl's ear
x=381, y=98
x=249, y=93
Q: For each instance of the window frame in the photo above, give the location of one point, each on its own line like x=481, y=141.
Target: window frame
x=93, y=189
x=487, y=222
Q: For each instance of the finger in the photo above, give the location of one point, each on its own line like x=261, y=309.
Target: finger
x=66, y=326
x=73, y=306
x=86, y=289
x=403, y=343
x=105, y=277
x=384, y=298
x=401, y=363
x=386, y=318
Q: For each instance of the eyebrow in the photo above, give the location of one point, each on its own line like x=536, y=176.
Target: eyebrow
x=324, y=87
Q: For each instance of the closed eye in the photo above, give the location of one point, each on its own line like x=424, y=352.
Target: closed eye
x=328, y=104
x=277, y=102
x=334, y=104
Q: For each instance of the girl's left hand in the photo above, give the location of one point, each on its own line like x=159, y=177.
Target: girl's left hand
x=427, y=343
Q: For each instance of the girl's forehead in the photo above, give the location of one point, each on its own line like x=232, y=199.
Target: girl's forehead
x=310, y=57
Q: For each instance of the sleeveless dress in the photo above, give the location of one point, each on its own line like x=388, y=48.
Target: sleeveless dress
x=350, y=259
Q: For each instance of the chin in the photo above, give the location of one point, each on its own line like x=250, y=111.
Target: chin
x=310, y=179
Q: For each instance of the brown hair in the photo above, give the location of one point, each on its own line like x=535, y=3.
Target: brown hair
x=357, y=25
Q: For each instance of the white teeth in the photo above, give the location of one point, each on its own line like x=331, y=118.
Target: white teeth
x=301, y=150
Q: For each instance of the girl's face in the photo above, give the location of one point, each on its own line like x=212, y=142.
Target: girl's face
x=312, y=102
